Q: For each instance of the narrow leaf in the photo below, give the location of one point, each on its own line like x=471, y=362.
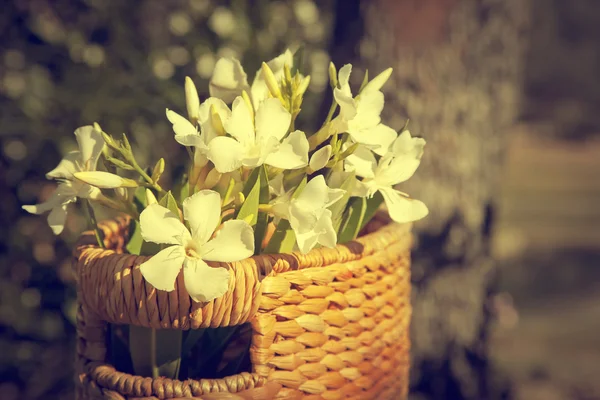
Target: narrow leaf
x=262, y=218
x=142, y=343
x=134, y=244
x=170, y=203
x=353, y=222
x=168, y=352
x=252, y=194
x=337, y=209
x=372, y=206
x=283, y=239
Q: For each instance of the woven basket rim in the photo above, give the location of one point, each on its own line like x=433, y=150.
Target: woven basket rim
x=112, y=285
x=87, y=240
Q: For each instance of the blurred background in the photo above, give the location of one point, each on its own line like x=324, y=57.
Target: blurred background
x=506, y=92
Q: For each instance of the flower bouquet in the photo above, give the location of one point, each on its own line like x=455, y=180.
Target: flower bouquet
x=250, y=269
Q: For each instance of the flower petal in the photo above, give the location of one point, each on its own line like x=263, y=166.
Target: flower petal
x=159, y=225
x=347, y=104
x=233, y=242
x=57, y=218
x=66, y=167
x=90, y=143
x=407, y=145
x=401, y=208
x=228, y=80
x=292, y=153
x=378, y=138
x=378, y=82
x=186, y=134
x=400, y=169
x=272, y=120
x=314, y=196
x=204, y=283
x=344, y=79
x=327, y=236
x=226, y=153
x=320, y=158
x=206, y=122
x=64, y=194
x=306, y=241
x=203, y=211
x=240, y=124
x=162, y=269
x=362, y=161
x=368, y=112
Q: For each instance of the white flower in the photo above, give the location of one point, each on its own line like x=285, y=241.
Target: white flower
x=90, y=143
x=309, y=215
x=229, y=79
x=360, y=116
x=211, y=126
x=189, y=250
x=396, y=166
x=258, y=142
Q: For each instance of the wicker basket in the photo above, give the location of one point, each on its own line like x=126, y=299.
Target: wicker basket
x=330, y=324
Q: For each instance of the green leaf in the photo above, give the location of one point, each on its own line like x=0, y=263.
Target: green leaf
x=139, y=198
x=169, y=202
x=283, y=239
x=337, y=209
x=353, y=219
x=168, y=352
x=249, y=209
x=155, y=352
x=134, y=244
x=262, y=218
x=357, y=215
x=372, y=206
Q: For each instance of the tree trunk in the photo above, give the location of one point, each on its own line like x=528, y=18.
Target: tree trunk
x=457, y=76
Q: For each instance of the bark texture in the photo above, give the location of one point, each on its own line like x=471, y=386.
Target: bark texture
x=457, y=77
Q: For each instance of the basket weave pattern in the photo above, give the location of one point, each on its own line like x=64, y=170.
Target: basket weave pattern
x=330, y=324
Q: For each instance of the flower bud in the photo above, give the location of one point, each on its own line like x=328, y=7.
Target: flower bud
x=303, y=86
x=333, y=81
x=192, y=101
x=271, y=81
x=150, y=198
x=104, y=180
x=158, y=170
x=320, y=158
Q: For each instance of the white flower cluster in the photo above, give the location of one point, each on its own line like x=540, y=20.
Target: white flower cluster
x=256, y=183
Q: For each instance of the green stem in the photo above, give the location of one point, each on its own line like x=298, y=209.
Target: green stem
x=91, y=217
x=296, y=173
x=332, y=109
